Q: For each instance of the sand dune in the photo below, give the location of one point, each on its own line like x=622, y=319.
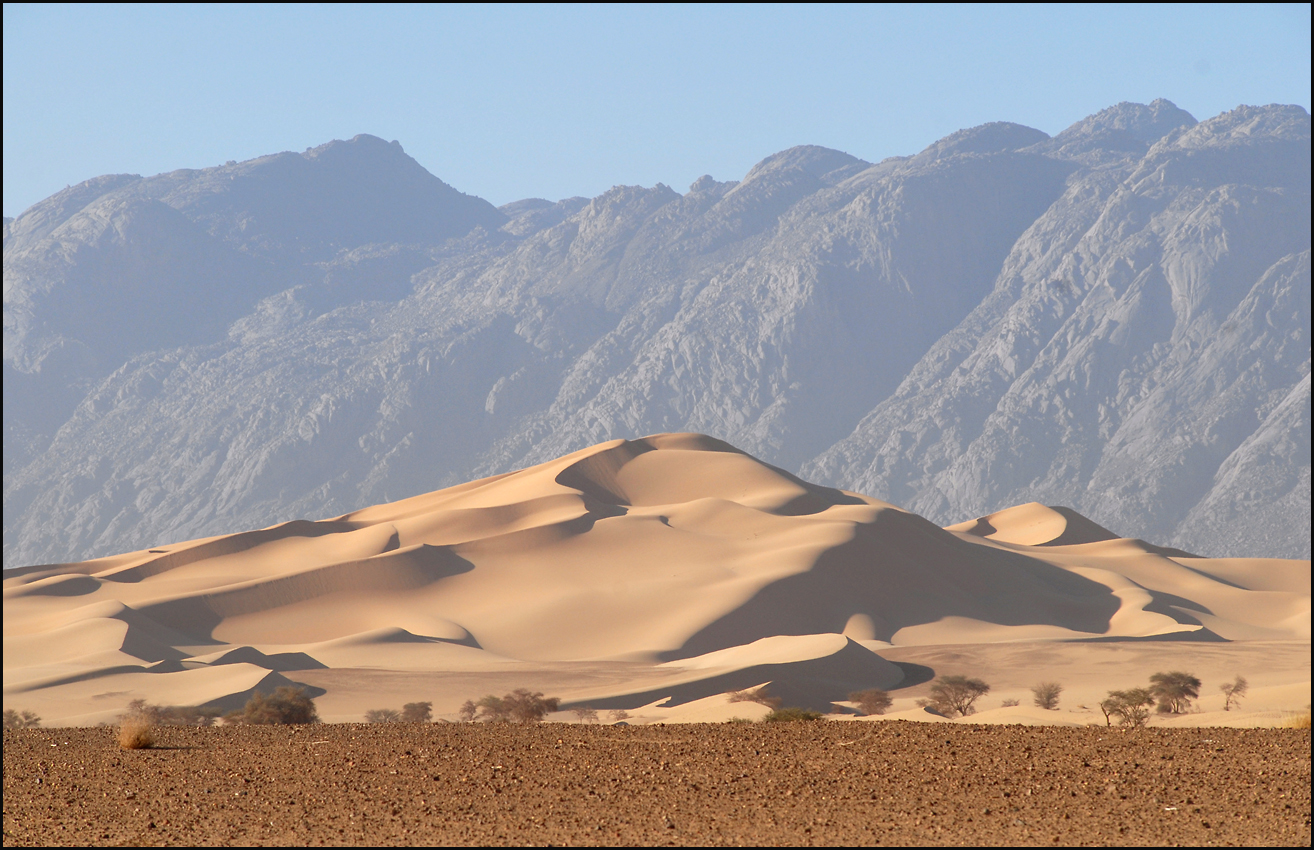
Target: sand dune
x=658, y=572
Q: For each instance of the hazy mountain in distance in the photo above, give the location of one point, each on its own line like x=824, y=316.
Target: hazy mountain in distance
x=1115, y=318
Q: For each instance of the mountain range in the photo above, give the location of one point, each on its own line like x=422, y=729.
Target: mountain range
x=1114, y=319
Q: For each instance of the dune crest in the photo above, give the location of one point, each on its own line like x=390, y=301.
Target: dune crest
x=664, y=570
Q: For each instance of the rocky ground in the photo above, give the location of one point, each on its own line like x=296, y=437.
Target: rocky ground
x=779, y=784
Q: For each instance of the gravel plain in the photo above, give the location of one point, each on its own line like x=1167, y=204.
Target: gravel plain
x=709, y=784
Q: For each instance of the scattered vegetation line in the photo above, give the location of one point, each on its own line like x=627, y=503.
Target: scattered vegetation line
x=519, y=706
x=174, y=715
x=789, y=715
x=21, y=719
x=411, y=712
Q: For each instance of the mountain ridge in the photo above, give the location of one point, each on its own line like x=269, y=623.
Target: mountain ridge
x=891, y=328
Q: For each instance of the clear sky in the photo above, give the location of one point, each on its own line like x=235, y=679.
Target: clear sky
x=554, y=101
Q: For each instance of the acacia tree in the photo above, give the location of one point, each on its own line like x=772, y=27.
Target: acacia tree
x=1047, y=695
x=584, y=714
x=1174, y=691
x=1233, y=691
x=493, y=710
x=1131, y=707
x=468, y=711
x=527, y=706
x=871, y=701
x=521, y=705
x=417, y=712
x=957, y=694
x=383, y=715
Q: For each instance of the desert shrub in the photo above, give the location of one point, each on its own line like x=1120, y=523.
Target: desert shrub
x=1131, y=707
x=871, y=701
x=137, y=725
x=758, y=696
x=136, y=733
x=957, y=694
x=619, y=714
x=1174, y=691
x=1233, y=691
x=469, y=709
x=1009, y=703
x=288, y=705
x=417, y=712
x=789, y=715
x=1046, y=695
x=585, y=714
x=739, y=720
x=21, y=719
x=521, y=706
x=383, y=715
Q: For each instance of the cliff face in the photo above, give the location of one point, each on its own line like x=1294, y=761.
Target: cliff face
x=1115, y=318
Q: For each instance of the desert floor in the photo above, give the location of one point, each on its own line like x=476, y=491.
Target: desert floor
x=724, y=784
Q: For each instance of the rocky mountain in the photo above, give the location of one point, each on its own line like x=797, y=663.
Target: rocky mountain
x=1116, y=318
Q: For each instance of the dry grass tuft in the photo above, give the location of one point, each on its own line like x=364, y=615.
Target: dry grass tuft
x=136, y=733
x=1299, y=721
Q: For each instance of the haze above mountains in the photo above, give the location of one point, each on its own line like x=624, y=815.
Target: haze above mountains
x=1116, y=319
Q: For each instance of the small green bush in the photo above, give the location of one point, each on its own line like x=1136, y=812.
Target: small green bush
x=789, y=715
x=1131, y=707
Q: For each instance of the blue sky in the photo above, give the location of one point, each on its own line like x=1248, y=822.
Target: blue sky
x=552, y=101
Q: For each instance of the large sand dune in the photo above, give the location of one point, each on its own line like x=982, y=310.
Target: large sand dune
x=653, y=573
